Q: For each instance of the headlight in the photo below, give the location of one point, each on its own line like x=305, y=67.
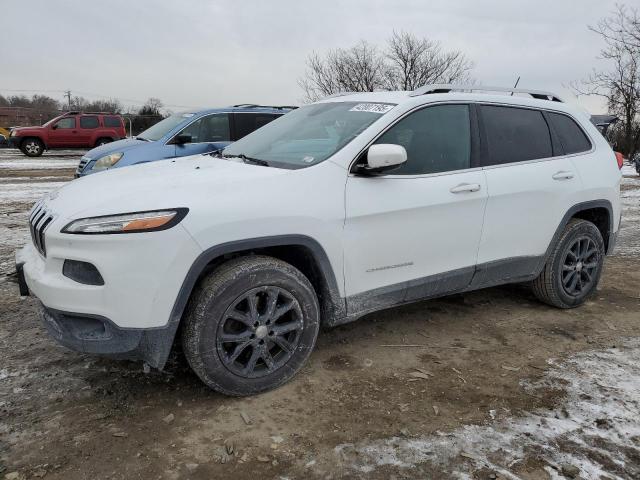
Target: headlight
x=127, y=222
x=107, y=161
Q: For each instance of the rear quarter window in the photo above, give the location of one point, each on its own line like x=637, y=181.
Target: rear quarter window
x=571, y=136
x=515, y=135
x=112, y=122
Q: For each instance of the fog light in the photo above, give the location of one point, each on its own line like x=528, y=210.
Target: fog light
x=82, y=272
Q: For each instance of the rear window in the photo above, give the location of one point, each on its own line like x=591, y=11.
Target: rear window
x=89, y=122
x=245, y=123
x=112, y=122
x=515, y=135
x=571, y=136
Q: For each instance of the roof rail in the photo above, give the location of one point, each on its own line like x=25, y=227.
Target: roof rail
x=339, y=94
x=446, y=88
x=74, y=112
x=254, y=105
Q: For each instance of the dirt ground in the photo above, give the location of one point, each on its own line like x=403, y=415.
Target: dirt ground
x=489, y=384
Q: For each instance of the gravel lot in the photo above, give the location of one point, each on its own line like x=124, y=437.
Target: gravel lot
x=489, y=384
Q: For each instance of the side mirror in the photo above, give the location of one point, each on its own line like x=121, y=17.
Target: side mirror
x=182, y=139
x=383, y=156
x=54, y=126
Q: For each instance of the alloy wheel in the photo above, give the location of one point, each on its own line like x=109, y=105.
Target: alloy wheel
x=580, y=266
x=32, y=147
x=259, y=332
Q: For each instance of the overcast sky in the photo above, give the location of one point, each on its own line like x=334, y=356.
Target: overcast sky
x=216, y=53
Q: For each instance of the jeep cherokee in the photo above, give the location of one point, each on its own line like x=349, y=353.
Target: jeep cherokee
x=350, y=205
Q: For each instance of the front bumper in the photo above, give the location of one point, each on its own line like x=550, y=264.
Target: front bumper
x=14, y=142
x=98, y=335
x=131, y=315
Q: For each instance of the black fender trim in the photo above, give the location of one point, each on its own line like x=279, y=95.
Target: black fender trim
x=609, y=235
x=334, y=304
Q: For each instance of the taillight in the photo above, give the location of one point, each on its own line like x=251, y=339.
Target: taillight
x=620, y=159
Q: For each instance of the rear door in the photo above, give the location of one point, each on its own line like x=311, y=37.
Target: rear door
x=63, y=133
x=531, y=185
x=245, y=123
x=89, y=125
x=415, y=232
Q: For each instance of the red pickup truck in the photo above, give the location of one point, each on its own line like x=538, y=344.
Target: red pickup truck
x=71, y=130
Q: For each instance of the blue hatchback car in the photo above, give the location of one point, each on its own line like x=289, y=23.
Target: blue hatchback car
x=179, y=135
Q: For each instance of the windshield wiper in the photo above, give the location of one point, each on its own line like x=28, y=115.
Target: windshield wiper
x=245, y=159
x=143, y=139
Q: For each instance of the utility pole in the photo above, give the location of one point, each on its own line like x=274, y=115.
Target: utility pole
x=68, y=95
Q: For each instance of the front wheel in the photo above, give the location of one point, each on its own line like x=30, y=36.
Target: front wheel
x=573, y=269
x=250, y=325
x=32, y=147
x=102, y=141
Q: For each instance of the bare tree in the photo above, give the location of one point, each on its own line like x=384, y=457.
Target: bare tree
x=414, y=61
x=357, y=69
x=619, y=85
x=406, y=63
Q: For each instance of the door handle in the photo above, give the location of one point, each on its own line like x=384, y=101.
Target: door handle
x=465, y=187
x=562, y=175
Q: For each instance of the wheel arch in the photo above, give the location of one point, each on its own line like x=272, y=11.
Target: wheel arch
x=37, y=137
x=599, y=212
x=301, y=251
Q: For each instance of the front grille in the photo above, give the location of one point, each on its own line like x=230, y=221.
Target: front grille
x=81, y=165
x=39, y=220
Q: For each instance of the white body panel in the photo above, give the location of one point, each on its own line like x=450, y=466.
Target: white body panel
x=404, y=228
x=525, y=207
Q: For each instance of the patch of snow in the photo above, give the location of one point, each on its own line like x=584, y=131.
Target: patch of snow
x=598, y=422
x=22, y=164
x=26, y=192
x=629, y=171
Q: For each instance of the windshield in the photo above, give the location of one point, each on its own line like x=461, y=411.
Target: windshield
x=308, y=135
x=163, y=127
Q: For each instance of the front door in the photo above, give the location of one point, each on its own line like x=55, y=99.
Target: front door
x=414, y=232
x=208, y=134
x=63, y=133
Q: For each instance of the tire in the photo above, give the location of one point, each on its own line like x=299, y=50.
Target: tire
x=32, y=147
x=220, y=324
x=573, y=269
x=103, y=141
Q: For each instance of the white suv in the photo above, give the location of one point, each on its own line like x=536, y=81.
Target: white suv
x=349, y=205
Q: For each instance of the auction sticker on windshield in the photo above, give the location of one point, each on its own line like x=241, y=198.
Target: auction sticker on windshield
x=372, y=107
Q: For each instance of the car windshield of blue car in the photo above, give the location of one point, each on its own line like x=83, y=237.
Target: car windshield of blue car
x=308, y=135
x=163, y=127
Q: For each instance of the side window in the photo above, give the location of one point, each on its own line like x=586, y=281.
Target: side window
x=212, y=128
x=515, y=135
x=437, y=139
x=112, y=122
x=66, y=123
x=89, y=122
x=571, y=136
x=245, y=123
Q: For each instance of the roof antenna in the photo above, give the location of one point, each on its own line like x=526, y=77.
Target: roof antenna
x=517, y=82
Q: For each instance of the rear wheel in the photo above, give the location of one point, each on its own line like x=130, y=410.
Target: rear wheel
x=103, y=141
x=573, y=269
x=250, y=325
x=32, y=147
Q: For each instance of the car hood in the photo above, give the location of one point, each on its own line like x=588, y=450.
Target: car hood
x=113, y=147
x=26, y=130
x=182, y=182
